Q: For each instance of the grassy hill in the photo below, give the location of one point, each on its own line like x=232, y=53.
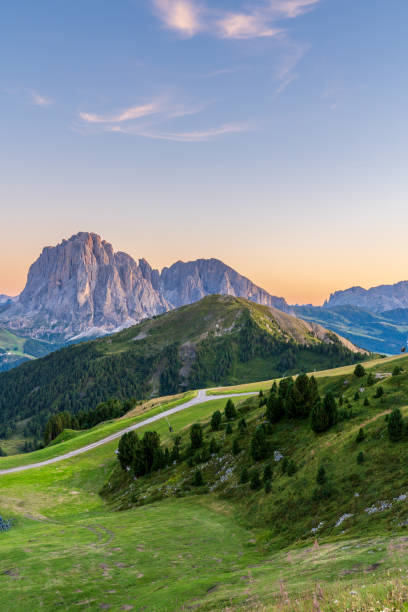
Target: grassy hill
x=218, y=340
x=175, y=546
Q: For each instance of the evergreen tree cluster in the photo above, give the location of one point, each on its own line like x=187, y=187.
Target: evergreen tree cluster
x=142, y=456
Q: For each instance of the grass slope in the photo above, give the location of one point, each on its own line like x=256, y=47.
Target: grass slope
x=218, y=340
x=226, y=548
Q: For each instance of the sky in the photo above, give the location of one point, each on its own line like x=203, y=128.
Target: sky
x=270, y=134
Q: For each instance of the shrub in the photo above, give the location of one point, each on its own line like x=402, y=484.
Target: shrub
x=360, y=436
x=366, y=402
x=397, y=370
x=230, y=412
x=235, y=447
x=244, y=476
x=359, y=371
x=356, y=396
x=255, y=483
x=216, y=420
x=321, y=476
x=198, y=480
x=360, y=458
x=395, y=425
x=196, y=436
x=228, y=429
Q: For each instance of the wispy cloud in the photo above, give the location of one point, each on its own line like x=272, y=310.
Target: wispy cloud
x=40, y=100
x=147, y=120
x=183, y=16
x=189, y=18
x=128, y=114
x=286, y=82
x=241, y=25
x=290, y=9
x=193, y=136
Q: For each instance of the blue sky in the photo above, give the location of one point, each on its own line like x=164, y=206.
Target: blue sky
x=270, y=134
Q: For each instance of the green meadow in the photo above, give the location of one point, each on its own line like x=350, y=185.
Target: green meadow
x=222, y=546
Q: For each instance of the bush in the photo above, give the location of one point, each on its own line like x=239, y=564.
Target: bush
x=255, y=483
x=356, y=396
x=359, y=371
x=366, y=402
x=360, y=436
x=196, y=436
x=228, y=429
x=321, y=476
x=230, y=412
x=198, y=480
x=395, y=425
x=216, y=420
x=244, y=476
x=360, y=458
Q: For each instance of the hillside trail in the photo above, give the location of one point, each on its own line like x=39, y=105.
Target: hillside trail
x=200, y=398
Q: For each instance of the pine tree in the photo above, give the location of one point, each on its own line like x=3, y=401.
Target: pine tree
x=235, y=447
x=370, y=380
x=360, y=436
x=228, y=429
x=379, y=392
x=366, y=402
x=356, y=396
x=329, y=404
x=196, y=436
x=216, y=420
x=198, y=480
x=244, y=476
x=214, y=448
x=242, y=426
x=127, y=448
x=320, y=418
x=268, y=486
x=321, y=476
x=267, y=474
x=291, y=469
x=395, y=425
x=360, y=458
x=230, y=412
x=255, y=481
x=275, y=408
x=259, y=444
x=359, y=371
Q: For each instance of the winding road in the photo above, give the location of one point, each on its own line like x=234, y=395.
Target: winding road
x=200, y=398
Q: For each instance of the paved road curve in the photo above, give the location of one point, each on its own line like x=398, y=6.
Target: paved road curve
x=200, y=398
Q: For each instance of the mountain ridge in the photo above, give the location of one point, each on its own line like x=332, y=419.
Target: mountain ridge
x=83, y=286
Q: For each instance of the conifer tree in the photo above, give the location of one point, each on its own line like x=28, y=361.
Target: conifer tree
x=198, y=480
x=395, y=425
x=359, y=371
x=255, y=481
x=216, y=420
x=196, y=436
x=230, y=412
x=127, y=448
x=235, y=447
x=259, y=444
x=244, y=476
x=321, y=476
x=360, y=436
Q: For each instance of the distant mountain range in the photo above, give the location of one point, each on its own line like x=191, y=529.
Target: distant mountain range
x=82, y=289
